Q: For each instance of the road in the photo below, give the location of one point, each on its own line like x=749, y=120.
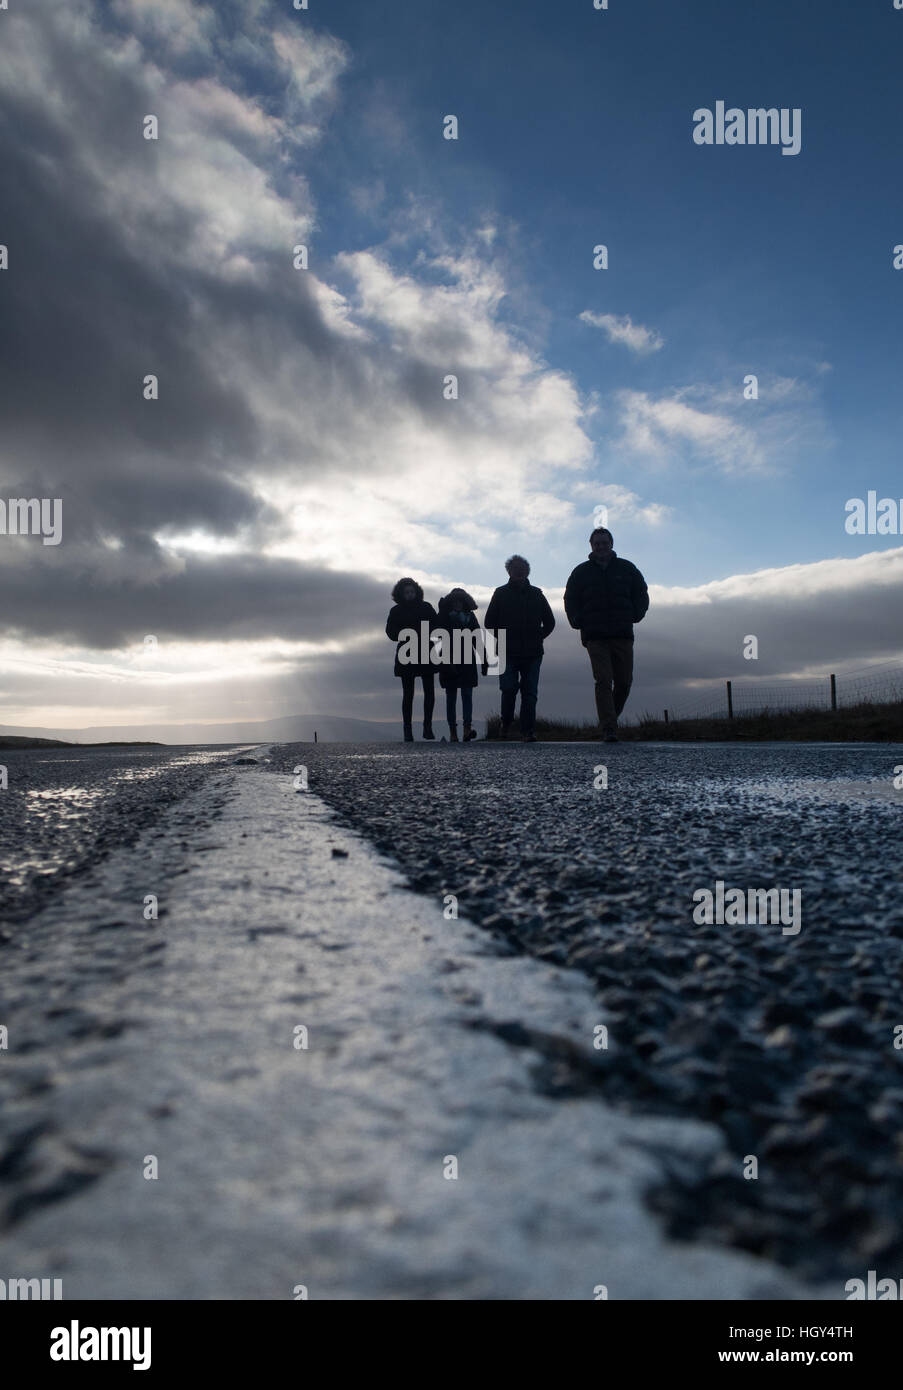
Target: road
x=784, y=1041
x=475, y=1036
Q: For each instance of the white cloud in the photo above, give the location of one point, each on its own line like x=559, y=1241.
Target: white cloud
x=410, y=467
x=622, y=504
x=221, y=155
x=180, y=28
x=623, y=330
x=714, y=424
x=879, y=569
x=654, y=427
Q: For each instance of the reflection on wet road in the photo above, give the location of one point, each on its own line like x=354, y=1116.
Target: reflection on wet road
x=64, y=809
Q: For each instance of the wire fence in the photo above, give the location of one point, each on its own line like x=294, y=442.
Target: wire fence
x=734, y=699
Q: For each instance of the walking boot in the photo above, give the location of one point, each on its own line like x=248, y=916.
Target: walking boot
x=469, y=733
x=428, y=731
x=408, y=734
x=453, y=733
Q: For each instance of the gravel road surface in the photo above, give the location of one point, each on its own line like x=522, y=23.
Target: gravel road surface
x=784, y=1041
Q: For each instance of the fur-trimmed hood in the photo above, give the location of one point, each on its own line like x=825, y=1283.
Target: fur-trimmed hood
x=464, y=601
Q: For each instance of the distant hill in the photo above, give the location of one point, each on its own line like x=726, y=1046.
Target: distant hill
x=296, y=728
x=27, y=741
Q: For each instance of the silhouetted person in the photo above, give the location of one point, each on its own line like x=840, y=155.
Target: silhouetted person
x=604, y=597
x=409, y=613
x=523, y=612
x=456, y=614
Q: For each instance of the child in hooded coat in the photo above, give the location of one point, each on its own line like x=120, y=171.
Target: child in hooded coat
x=457, y=613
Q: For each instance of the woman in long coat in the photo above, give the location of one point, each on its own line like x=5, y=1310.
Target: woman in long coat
x=409, y=612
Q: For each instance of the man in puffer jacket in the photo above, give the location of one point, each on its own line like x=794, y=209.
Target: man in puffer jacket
x=604, y=597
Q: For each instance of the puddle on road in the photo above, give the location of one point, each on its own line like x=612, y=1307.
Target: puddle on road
x=788, y=791
x=834, y=789
x=52, y=826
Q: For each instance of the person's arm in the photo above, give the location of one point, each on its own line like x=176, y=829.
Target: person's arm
x=428, y=614
x=572, y=601
x=474, y=625
x=639, y=594
x=492, y=621
x=547, y=617
x=437, y=623
x=393, y=626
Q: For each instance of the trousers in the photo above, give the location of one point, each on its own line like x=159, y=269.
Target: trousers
x=612, y=661
x=523, y=675
x=451, y=703
x=408, y=681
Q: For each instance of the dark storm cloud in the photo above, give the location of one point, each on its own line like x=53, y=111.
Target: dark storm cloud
x=173, y=258
x=85, y=321
x=95, y=299
x=85, y=317
x=95, y=603
x=131, y=257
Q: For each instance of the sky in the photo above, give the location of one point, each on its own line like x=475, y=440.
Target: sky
x=228, y=549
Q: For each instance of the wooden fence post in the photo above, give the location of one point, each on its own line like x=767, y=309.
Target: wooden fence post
x=730, y=701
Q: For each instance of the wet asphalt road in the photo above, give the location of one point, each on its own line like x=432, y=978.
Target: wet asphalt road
x=65, y=808
x=786, y=1042
x=177, y=1038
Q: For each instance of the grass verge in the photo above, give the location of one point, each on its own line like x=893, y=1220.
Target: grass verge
x=863, y=723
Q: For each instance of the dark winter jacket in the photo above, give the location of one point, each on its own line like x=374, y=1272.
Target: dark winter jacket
x=606, y=602
x=459, y=673
x=526, y=617
x=410, y=616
